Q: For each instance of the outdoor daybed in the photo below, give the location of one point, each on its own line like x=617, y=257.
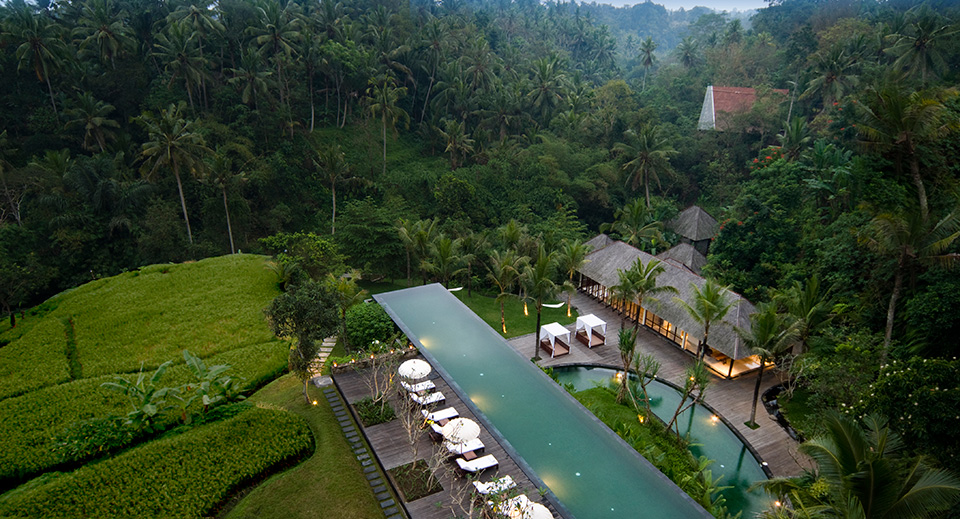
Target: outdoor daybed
x=550, y=339
x=589, y=328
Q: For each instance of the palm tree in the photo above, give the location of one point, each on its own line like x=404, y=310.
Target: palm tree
x=809, y=307
x=457, y=140
x=645, y=284
x=472, y=244
x=571, y=258
x=200, y=20
x=624, y=292
x=770, y=334
x=41, y=48
x=384, y=95
x=647, y=58
x=348, y=295
x=177, y=48
x=635, y=224
x=795, y=138
x=627, y=344
x=709, y=306
x=445, y=259
x=333, y=163
x=647, y=155
x=433, y=41
x=860, y=474
x=538, y=283
x=900, y=120
x=278, y=33
x=423, y=238
x=102, y=28
x=173, y=143
x=220, y=173
x=906, y=237
x=250, y=77
x=407, y=230
x=504, y=269
x=548, y=86
x=688, y=51
x=920, y=49
x=94, y=117
x=834, y=74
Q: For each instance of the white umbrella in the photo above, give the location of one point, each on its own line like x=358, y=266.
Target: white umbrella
x=537, y=511
x=460, y=430
x=414, y=369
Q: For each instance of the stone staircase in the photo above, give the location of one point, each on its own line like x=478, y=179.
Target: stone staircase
x=318, y=363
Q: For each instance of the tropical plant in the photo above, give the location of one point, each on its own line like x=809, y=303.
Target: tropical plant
x=383, y=95
x=40, y=46
x=571, y=257
x=627, y=345
x=647, y=58
x=348, y=294
x=145, y=396
x=809, y=307
x=646, y=156
x=504, y=269
x=93, y=116
x=770, y=334
x=537, y=280
x=710, y=305
x=636, y=225
x=173, y=143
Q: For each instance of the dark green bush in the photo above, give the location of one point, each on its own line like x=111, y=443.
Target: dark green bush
x=188, y=475
x=368, y=322
x=373, y=413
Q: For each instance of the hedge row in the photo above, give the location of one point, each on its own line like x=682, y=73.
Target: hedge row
x=183, y=476
x=147, y=316
x=29, y=423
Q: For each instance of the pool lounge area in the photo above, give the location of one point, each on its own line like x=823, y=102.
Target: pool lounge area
x=587, y=469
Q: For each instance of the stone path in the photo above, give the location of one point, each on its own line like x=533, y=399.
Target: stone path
x=317, y=364
x=371, y=469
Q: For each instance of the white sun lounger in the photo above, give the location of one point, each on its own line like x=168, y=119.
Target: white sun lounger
x=512, y=505
x=481, y=463
x=432, y=398
x=495, y=486
x=443, y=414
x=460, y=448
x=426, y=385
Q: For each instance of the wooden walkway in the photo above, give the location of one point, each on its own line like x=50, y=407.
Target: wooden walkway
x=730, y=398
x=392, y=448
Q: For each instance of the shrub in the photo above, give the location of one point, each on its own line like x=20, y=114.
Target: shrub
x=368, y=322
x=373, y=413
x=188, y=475
x=29, y=423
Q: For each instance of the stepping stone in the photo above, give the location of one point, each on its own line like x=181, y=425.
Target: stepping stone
x=363, y=457
x=377, y=483
x=379, y=488
x=387, y=503
x=392, y=511
x=349, y=429
x=368, y=469
x=366, y=463
x=361, y=450
x=339, y=413
x=351, y=434
x=373, y=476
x=395, y=516
x=383, y=495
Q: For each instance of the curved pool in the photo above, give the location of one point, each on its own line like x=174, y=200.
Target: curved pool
x=709, y=437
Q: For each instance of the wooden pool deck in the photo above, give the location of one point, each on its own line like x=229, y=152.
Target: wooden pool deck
x=389, y=443
x=730, y=398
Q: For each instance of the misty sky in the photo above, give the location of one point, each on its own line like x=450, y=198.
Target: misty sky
x=719, y=5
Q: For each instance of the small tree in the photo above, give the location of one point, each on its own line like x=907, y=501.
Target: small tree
x=307, y=312
x=628, y=352
x=709, y=306
x=147, y=399
x=647, y=366
x=348, y=294
x=696, y=380
x=770, y=334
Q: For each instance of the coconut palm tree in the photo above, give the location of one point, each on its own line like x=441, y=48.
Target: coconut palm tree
x=770, y=334
x=808, y=306
x=93, y=117
x=332, y=162
x=176, y=48
x=571, y=257
x=688, y=51
x=860, y=474
x=40, y=48
x=407, y=229
x=627, y=345
x=646, y=155
x=710, y=305
x=899, y=120
x=220, y=172
x=423, y=238
x=548, y=86
x=278, y=34
x=172, y=143
x=537, y=279
x=445, y=259
x=834, y=75
x=458, y=142
x=101, y=31
x=645, y=284
x=472, y=245
x=907, y=238
x=920, y=47
x=504, y=269
x=250, y=77
x=647, y=58
x=636, y=225
x=384, y=95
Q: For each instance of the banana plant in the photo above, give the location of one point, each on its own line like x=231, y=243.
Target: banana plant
x=147, y=399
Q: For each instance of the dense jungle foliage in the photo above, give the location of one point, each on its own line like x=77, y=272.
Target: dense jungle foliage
x=398, y=133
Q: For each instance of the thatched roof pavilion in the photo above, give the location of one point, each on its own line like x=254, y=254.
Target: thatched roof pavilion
x=686, y=255
x=600, y=273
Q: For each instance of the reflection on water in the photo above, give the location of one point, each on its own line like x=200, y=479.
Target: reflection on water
x=708, y=435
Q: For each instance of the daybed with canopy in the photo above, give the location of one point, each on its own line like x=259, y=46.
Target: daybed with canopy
x=550, y=339
x=591, y=330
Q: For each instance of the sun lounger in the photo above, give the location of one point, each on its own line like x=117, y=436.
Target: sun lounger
x=432, y=398
x=512, y=505
x=462, y=448
x=496, y=486
x=421, y=387
x=481, y=463
x=443, y=414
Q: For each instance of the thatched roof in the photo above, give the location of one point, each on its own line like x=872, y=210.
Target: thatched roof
x=604, y=264
x=694, y=224
x=599, y=241
x=686, y=255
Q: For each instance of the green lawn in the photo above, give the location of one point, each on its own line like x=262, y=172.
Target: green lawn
x=489, y=309
x=328, y=485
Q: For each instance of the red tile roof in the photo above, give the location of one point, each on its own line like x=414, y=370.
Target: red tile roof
x=728, y=101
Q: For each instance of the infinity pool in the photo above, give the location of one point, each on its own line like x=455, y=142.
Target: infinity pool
x=710, y=438
x=591, y=471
